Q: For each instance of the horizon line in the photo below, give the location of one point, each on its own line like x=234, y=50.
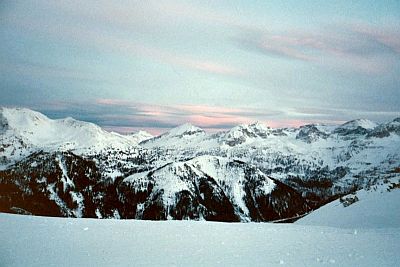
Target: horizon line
x=158, y=128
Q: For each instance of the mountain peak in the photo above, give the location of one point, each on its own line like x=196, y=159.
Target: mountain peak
x=185, y=129
x=71, y=122
x=139, y=136
x=244, y=132
x=255, y=123
x=140, y=132
x=363, y=123
x=355, y=127
x=258, y=126
x=23, y=118
x=310, y=133
x=36, y=129
x=14, y=113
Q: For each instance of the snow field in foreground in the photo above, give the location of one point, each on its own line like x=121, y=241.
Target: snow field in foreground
x=43, y=241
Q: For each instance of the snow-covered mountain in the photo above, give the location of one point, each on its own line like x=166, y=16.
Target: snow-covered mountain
x=386, y=129
x=213, y=188
x=246, y=133
x=139, y=136
x=176, y=137
x=205, y=188
x=250, y=173
x=36, y=129
x=311, y=133
x=360, y=126
x=24, y=131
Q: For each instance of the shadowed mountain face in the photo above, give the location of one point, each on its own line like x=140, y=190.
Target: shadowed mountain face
x=63, y=184
x=250, y=173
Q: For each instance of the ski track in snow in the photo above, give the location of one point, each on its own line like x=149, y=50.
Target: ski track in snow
x=44, y=241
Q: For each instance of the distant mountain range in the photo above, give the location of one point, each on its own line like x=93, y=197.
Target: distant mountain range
x=250, y=173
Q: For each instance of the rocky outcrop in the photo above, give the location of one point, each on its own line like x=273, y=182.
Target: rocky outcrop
x=310, y=133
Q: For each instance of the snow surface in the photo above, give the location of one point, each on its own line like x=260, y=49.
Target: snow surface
x=139, y=136
x=376, y=208
x=186, y=134
x=44, y=241
x=186, y=128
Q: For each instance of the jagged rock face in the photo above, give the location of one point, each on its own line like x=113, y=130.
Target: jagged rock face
x=242, y=133
x=355, y=127
x=356, y=131
x=278, y=132
x=3, y=124
x=384, y=130
x=310, y=133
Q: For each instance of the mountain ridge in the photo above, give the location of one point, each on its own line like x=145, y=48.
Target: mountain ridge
x=249, y=173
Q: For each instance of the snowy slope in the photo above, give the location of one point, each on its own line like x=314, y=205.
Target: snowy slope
x=378, y=207
x=182, y=135
x=139, y=136
x=44, y=241
x=211, y=188
x=234, y=179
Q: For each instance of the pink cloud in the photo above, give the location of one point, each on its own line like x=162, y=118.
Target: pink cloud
x=113, y=102
x=361, y=48
x=206, y=109
x=205, y=116
x=222, y=119
x=388, y=35
x=125, y=116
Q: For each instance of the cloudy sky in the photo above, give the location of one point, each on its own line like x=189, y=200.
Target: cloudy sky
x=129, y=65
